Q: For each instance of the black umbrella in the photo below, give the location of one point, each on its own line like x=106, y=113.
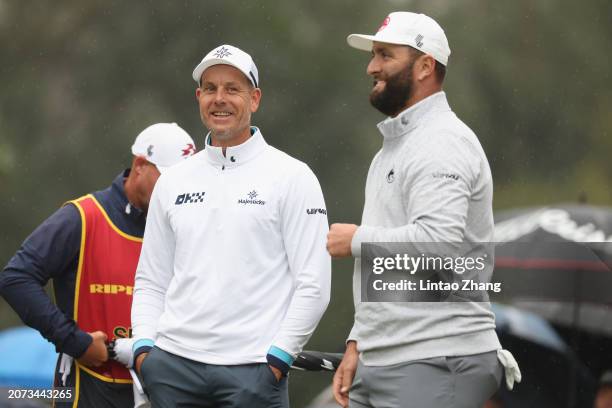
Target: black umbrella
x=556, y=262
x=547, y=363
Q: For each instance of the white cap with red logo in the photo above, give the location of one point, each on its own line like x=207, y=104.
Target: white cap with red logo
x=416, y=30
x=164, y=145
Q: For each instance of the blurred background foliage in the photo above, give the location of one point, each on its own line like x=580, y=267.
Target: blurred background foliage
x=81, y=79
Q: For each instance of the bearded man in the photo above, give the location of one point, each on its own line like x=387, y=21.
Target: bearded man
x=430, y=183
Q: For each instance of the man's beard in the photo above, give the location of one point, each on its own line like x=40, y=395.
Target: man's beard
x=398, y=89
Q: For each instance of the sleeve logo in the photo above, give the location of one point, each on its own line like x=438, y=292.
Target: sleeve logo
x=443, y=175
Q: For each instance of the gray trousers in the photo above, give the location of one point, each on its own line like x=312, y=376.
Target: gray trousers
x=173, y=381
x=449, y=382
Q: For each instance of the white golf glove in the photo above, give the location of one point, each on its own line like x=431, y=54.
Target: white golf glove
x=123, y=352
x=511, y=368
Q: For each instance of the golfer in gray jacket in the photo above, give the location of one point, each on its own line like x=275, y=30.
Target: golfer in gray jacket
x=430, y=182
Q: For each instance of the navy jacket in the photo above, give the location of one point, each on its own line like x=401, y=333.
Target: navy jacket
x=52, y=252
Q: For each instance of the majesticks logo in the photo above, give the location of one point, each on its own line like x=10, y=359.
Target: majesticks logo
x=251, y=199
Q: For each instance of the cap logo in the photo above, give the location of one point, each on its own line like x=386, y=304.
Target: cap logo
x=150, y=151
x=188, y=151
x=419, y=40
x=222, y=53
x=384, y=23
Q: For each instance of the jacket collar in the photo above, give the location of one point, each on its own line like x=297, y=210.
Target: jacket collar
x=410, y=118
x=235, y=155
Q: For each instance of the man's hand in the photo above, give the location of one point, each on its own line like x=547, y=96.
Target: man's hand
x=139, y=361
x=339, y=239
x=96, y=354
x=277, y=373
x=343, y=378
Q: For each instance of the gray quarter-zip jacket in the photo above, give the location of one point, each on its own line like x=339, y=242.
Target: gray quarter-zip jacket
x=430, y=182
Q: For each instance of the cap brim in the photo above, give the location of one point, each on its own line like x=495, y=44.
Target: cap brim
x=203, y=66
x=360, y=41
x=161, y=168
x=365, y=42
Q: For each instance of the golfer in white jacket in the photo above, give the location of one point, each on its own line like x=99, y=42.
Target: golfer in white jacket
x=234, y=274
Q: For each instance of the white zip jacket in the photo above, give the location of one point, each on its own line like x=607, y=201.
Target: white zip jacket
x=233, y=261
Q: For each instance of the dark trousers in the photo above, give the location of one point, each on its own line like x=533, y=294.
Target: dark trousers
x=173, y=381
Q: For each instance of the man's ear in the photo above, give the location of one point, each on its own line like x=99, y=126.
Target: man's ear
x=255, y=99
x=425, y=65
x=138, y=164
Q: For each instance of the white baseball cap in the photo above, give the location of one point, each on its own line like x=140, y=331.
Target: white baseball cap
x=228, y=55
x=164, y=145
x=416, y=30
